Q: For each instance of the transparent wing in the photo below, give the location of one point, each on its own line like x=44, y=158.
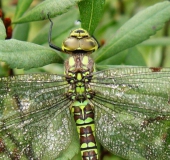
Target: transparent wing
x=133, y=111
x=35, y=122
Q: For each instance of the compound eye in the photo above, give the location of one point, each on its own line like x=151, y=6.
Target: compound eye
x=71, y=44
x=88, y=44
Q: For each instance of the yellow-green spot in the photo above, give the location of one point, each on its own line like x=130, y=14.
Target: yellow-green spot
x=70, y=74
x=84, y=145
x=79, y=84
x=92, y=127
x=79, y=121
x=71, y=61
x=86, y=80
x=71, y=91
x=78, y=90
x=79, y=77
x=85, y=74
x=88, y=96
x=85, y=60
x=73, y=97
x=91, y=144
x=88, y=120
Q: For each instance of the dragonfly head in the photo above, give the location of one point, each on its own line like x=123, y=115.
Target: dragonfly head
x=79, y=41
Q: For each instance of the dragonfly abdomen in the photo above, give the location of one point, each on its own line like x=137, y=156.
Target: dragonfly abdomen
x=84, y=118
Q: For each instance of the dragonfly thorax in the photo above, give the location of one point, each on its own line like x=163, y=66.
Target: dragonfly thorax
x=79, y=41
x=78, y=71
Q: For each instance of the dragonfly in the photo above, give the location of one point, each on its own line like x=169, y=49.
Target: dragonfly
x=126, y=109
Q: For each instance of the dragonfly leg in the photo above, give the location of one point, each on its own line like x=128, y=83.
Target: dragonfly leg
x=49, y=36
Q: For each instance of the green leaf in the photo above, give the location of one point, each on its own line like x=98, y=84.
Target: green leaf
x=2, y=30
x=22, y=6
x=63, y=23
x=54, y=7
x=107, y=67
x=134, y=58
x=117, y=59
x=21, y=28
x=19, y=54
x=90, y=13
x=156, y=42
x=136, y=30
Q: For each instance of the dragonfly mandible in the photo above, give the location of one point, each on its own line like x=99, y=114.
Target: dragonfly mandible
x=126, y=109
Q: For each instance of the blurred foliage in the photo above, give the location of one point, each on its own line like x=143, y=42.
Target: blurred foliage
x=105, y=21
